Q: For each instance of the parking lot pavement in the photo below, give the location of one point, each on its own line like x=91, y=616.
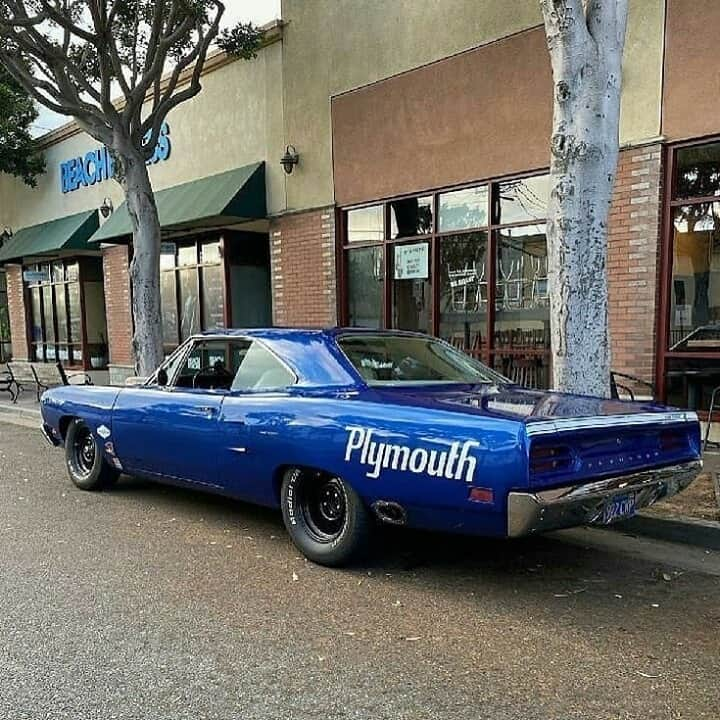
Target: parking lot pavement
x=153, y=602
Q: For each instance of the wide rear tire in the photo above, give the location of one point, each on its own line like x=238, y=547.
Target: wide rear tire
x=325, y=517
x=84, y=459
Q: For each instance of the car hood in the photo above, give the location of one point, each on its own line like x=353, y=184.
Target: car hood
x=512, y=402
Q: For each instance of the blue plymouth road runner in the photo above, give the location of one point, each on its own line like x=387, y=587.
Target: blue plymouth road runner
x=344, y=427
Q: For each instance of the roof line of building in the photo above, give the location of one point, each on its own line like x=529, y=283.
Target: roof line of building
x=272, y=33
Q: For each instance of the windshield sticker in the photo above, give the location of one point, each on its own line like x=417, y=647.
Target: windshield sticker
x=452, y=464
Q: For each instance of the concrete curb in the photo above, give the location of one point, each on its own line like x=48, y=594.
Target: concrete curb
x=677, y=529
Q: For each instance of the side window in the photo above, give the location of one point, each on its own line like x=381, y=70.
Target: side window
x=212, y=364
x=261, y=370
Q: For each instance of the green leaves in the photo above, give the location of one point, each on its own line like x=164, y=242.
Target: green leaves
x=19, y=154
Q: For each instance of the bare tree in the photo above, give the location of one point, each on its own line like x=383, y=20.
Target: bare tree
x=75, y=56
x=586, y=39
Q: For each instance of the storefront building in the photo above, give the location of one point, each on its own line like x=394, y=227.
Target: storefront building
x=419, y=197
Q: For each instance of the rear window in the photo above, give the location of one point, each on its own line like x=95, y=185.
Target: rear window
x=408, y=359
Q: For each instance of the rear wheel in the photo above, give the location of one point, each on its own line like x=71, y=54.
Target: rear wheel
x=325, y=517
x=84, y=459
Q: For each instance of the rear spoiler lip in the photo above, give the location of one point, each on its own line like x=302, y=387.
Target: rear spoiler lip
x=548, y=427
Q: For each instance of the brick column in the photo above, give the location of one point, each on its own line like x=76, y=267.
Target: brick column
x=633, y=260
x=18, y=312
x=302, y=257
x=119, y=313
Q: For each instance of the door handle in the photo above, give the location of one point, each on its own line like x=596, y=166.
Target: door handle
x=207, y=410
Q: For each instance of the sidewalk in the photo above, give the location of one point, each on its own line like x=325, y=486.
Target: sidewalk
x=27, y=406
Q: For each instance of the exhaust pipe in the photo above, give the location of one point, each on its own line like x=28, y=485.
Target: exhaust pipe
x=390, y=512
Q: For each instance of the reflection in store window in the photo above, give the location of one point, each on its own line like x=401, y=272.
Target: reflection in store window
x=365, y=224
x=695, y=286
x=464, y=209
x=411, y=216
x=522, y=309
x=464, y=291
x=524, y=200
x=365, y=280
x=411, y=289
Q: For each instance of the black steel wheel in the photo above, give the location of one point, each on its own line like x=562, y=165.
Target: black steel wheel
x=84, y=461
x=325, y=517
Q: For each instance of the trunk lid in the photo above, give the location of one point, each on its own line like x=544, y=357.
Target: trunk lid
x=573, y=438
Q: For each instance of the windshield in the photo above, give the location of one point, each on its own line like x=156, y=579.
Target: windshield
x=406, y=359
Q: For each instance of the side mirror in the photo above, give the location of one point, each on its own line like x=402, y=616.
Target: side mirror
x=162, y=377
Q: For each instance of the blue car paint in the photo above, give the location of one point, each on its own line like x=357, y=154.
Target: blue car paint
x=238, y=443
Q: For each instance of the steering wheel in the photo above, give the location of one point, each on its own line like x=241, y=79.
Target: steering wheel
x=217, y=371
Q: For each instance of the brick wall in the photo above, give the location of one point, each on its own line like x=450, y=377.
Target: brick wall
x=117, y=305
x=633, y=260
x=302, y=257
x=17, y=312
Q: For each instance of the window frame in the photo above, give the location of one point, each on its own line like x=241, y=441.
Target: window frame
x=197, y=268
x=79, y=344
x=491, y=349
x=183, y=350
x=663, y=354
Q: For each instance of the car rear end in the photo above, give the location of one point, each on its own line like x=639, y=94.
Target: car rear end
x=597, y=470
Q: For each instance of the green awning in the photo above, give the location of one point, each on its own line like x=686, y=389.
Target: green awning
x=72, y=232
x=225, y=199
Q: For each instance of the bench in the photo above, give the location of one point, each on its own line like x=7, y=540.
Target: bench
x=7, y=383
x=42, y=376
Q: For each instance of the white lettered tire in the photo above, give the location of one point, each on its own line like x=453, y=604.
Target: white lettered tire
x=325, y=517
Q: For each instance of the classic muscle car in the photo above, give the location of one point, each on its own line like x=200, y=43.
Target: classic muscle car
x=343, y=428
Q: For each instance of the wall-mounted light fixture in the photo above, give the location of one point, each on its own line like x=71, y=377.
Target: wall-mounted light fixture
x=290, y=159
x=5, y=235
x=106, y=208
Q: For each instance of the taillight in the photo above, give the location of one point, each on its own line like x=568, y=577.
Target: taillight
x=550, y=459
x=673, y=440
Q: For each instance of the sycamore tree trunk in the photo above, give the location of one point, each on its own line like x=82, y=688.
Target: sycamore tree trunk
x=586, y=41
x=145, y=264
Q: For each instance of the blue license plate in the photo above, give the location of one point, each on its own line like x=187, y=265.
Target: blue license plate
x=618, y=508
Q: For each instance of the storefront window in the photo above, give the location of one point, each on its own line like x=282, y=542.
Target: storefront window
x=192, y=290
x=411, y=296
x=698, y=171
x=366, y=282
x=695, y=287
x=411, y=216
x=522, y=311
x=446, y=284
x=464, y=209
x=690, y=356
x=464, y=290
x=523, y=200
x=365, y=225
x=55, y=309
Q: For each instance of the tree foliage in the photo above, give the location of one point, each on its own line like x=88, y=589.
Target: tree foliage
x=119, y=67
x=19, y=153
x=102, y=61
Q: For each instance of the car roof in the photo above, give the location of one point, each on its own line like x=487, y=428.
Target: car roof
x=310, y=352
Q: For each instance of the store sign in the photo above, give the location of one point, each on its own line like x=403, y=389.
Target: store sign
x=411, y=262
x=97, y=165
x=35, y=276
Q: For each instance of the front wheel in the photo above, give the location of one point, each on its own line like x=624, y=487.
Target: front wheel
x=325, y=517
x=84, y=460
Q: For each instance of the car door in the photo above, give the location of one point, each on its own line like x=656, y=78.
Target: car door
x=254, y=418
x=173, y=430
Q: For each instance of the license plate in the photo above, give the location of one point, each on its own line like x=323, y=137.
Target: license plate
x=619, y=507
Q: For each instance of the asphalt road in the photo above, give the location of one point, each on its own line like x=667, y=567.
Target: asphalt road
x=151, y=603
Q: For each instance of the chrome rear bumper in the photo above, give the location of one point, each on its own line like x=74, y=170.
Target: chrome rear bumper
x=565, y=507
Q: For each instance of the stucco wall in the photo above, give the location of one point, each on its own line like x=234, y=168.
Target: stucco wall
x=332, y=46
x=234, y=121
